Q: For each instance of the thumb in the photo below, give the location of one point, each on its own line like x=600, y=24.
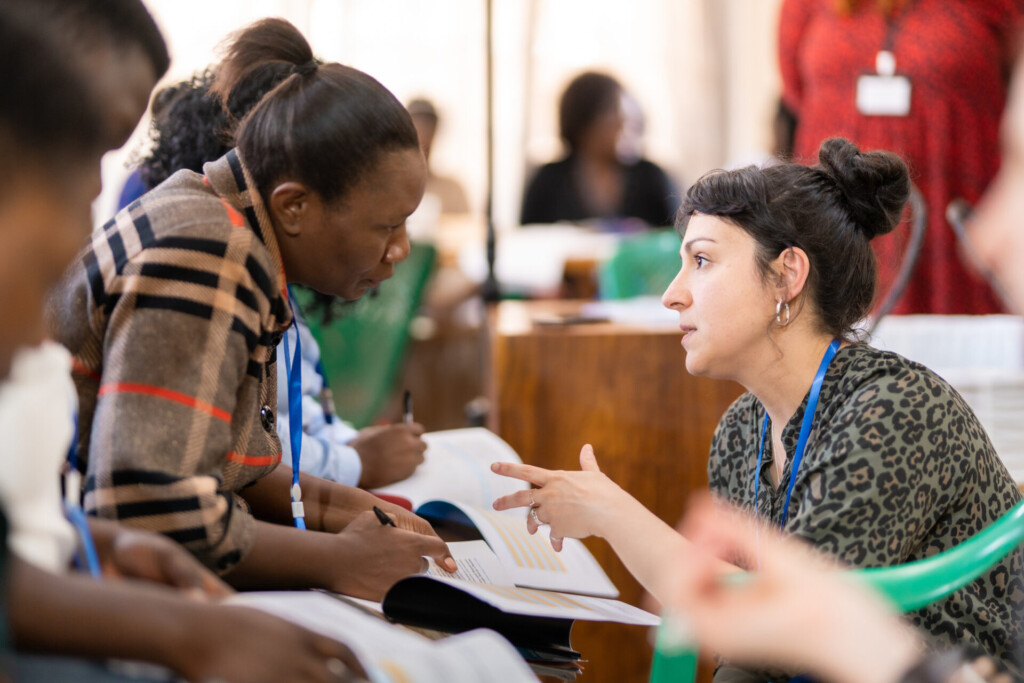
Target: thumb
x=588, y=461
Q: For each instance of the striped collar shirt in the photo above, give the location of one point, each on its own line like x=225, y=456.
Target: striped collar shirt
x=173, y=313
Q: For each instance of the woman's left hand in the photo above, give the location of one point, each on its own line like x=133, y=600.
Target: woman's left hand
x=573, y=504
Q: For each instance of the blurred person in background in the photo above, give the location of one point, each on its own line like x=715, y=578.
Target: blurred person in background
x=925, y=79
x=599, y=178
x=447, y=190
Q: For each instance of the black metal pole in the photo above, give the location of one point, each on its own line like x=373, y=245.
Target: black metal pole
x=491, y=291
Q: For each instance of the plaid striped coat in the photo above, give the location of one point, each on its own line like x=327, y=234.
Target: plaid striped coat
x=173, y=313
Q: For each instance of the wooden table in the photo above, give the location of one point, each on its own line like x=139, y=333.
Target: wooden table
x=624, y=389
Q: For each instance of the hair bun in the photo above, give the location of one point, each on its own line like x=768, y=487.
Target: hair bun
x=265, y=45
x=874, y=185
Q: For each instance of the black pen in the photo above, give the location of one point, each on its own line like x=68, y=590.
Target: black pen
x=407, y=407
x=383, y=517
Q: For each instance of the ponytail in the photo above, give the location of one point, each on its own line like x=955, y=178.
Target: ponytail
x=324, y=125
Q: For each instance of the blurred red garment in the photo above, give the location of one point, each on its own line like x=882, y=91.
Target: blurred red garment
x=957, y=55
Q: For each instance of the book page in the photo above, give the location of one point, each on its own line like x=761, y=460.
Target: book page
x=530, y=561
x=457, y=467
x=477, y=564
x=393, y=654
x=542, y=603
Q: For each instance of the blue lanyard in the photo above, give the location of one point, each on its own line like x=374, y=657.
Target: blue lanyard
x=293, y=365
x=805, y=431
x=87, y=559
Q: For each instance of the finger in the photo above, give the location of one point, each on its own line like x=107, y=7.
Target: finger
x=588, y=461
x=532, y=521
x=519, y=499
x=556, y=543
x=723, y=532
x=534, y=475
x=729, y=534
x=332, y=649
x=369, y=432
x=983, y=667
x=415, y=428
x=181, y=571
x=436, y=548
x=215, y=587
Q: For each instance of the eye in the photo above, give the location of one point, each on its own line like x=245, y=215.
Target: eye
x=699, y=261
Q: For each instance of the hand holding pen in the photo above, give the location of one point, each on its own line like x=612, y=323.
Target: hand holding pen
x=383, y=517
x=390, y=453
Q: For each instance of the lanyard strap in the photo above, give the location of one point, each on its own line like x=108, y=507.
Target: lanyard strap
x=88, y=558
x=293, y=365
x=805, y=432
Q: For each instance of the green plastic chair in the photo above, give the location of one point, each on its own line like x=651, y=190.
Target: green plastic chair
x=643, y=264
x=363, y=350
x=908, y=587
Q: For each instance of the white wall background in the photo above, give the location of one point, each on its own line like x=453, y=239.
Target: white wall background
x=703, y=70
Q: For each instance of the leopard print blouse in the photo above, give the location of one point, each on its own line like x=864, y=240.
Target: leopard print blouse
x=897, y=468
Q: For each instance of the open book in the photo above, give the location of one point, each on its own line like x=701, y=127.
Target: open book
x=455, y=487
x=508, y=580
x=457, y=467
x=526, y=560
x=391, y=654
x=483, y=594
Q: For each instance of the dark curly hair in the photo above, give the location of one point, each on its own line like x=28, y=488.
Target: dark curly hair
x=831, y=211
x=191, y=127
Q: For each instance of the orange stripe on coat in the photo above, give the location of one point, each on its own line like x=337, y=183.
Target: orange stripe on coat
x=254, y=460
x=161, y=392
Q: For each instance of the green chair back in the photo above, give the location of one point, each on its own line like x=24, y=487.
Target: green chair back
x=908, y=587
x=643, y=264
x=363, y=351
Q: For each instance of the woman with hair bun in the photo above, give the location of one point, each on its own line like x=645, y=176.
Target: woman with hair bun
x=174, y=310
x=866, y=455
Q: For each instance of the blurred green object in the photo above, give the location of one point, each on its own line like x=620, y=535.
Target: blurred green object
x=363, y=350
x=908, y=586
x=675, y=658
x=643, y=264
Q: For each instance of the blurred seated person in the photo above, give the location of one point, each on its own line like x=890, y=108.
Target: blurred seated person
x=594, y=180
x=447, y=190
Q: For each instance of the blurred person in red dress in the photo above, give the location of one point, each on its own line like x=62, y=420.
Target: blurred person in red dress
x=926, y=79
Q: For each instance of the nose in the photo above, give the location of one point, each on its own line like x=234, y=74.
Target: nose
x=677, y=295
x=398, y=247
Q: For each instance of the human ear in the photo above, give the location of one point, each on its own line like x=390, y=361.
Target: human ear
x=290, y=202
x=792, y=268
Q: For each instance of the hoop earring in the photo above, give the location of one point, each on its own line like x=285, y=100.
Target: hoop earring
x=780, y=308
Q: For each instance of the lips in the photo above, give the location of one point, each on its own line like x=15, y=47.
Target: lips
x=687, y=331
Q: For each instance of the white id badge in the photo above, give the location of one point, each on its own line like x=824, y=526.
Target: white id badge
x=883, y=95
